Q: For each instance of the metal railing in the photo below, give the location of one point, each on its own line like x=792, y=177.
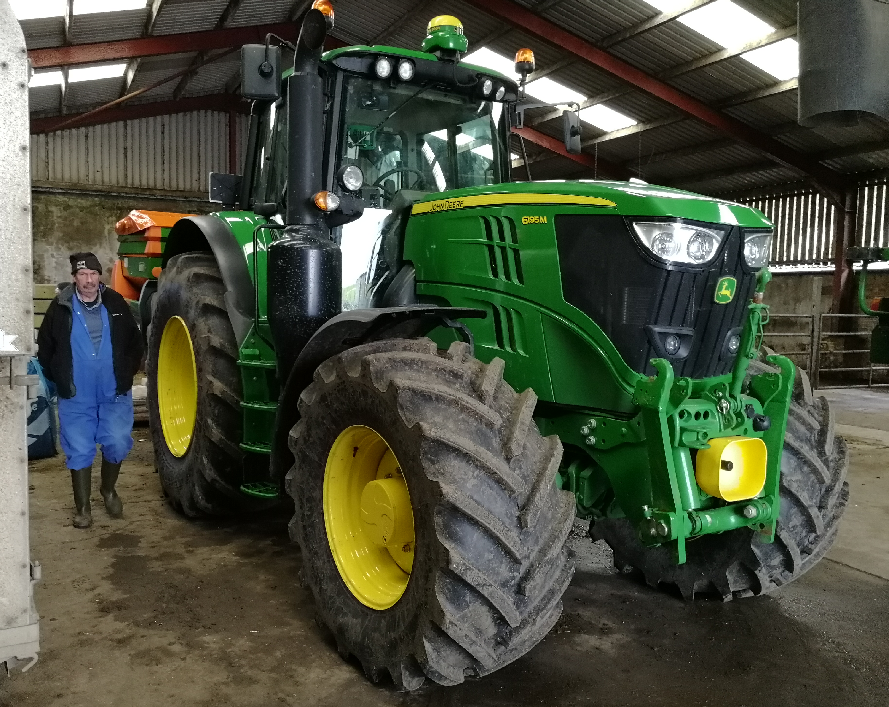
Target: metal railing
x=822, y=345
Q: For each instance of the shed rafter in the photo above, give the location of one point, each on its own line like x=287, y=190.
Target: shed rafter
x=555, y=35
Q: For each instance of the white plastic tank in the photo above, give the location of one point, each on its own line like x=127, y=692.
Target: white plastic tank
x=19, y=628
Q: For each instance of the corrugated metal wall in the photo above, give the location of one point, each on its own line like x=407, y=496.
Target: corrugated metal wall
x=873, y=224
x=169, y=153
x=805, y=223
x=804, y=227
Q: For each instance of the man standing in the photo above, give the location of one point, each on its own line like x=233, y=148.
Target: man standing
x=90, y=347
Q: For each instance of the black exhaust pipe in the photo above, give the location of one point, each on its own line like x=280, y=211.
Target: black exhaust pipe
x=304, y=265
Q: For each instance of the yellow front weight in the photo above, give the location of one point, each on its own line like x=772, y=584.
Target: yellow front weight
x=733, y=468
x=368, y=517
x=177, y=386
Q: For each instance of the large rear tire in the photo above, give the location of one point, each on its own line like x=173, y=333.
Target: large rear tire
x=470, y=571
x=194, y=391
x=736, y=564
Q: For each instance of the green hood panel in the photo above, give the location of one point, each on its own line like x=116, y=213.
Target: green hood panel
x=625, y=198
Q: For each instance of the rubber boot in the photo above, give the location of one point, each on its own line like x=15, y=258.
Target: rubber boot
x=113, y=504
x=81, y=481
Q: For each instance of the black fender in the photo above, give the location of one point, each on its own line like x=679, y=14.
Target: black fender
x=203, y=233
x=342, y=332
x=146, y=294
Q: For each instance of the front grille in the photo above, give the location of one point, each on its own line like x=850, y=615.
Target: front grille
x=635, y=299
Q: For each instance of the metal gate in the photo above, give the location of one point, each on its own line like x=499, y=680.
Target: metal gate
x=832, y=348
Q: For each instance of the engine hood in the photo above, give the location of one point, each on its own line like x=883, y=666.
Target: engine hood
x=624, y=198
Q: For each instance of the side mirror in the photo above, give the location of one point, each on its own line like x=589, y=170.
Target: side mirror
x=571, y=131
x=261, y=72
x=225, y=189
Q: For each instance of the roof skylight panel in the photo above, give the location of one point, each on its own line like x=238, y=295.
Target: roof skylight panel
x=92, y=73
x=780, y=59
x=45, y=78
x=88, y=7
x=37, y=9
x=723, y=22
x=606, y=118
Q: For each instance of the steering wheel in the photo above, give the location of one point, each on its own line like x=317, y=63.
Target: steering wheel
x=386, y=193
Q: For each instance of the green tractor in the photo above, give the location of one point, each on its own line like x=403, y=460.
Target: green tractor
x=444, y=368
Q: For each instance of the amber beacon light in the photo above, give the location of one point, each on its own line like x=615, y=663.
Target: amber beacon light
x=326, y=8
x=524, y=62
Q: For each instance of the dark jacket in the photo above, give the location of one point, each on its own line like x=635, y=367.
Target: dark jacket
x=54, y=341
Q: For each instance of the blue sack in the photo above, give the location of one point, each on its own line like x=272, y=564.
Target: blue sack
x=41, y=417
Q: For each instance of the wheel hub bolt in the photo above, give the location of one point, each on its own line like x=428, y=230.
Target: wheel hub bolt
x=591, y=441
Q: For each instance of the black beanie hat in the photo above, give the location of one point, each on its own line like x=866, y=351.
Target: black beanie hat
x=84, y=260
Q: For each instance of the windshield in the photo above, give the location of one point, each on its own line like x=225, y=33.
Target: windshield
x=409, y=137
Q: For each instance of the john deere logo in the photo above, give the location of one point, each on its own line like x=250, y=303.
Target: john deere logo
x=725, y=290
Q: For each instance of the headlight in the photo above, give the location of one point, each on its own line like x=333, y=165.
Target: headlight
x=383, y=67
x=351, y=177
x=487, y=87
x=757, y=245
x=405, y=70
x=679, y=242
x=501, y=92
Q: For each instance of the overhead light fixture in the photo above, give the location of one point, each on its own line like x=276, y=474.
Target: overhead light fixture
x=94, y=73
x=605, y=118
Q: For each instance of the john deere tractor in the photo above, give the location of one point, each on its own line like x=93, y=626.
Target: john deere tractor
x=443, y=368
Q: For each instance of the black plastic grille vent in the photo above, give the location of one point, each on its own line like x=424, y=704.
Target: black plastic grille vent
x=508, y=329
x=635, y=299
x=504, y=257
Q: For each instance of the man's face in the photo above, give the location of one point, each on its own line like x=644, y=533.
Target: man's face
x=87, y=283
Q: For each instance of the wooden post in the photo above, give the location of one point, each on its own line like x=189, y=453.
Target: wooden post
x=843, y=277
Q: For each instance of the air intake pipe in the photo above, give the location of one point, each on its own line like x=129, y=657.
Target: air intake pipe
x=843, y=57
x=304, y=265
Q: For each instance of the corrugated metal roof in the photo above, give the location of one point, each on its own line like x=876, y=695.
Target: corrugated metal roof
x=177, y=16
x=403, y=23
x=107, y=26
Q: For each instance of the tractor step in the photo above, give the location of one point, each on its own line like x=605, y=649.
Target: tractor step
x=261, y=489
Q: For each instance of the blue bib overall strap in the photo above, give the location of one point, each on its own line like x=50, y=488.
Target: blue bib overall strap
x=96, y=414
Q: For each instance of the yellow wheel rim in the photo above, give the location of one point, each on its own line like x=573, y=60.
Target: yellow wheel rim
x=177, y=386
x=368, y=517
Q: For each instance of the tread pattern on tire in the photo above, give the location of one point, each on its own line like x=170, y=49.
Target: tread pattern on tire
x=206, y=480
x=498, y=588
x=813, y=491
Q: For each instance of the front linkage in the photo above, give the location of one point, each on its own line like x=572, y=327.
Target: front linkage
x=687, y=434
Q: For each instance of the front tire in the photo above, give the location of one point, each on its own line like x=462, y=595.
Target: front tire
x=194, y=391
x=813, y=492
x=487, y=526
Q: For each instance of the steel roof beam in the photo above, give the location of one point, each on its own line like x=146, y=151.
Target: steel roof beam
x=133, y=64
x=534, y=24
x=688, y=67
x=607, y=169
x=230, y=9
x=736, y=100
x=223, y=102
x=160, y=45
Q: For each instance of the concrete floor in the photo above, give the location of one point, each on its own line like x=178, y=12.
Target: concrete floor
x=155, y=610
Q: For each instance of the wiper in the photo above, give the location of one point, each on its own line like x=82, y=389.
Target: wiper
x=365, y=135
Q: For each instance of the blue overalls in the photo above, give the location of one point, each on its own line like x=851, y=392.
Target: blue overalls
x=96, y=414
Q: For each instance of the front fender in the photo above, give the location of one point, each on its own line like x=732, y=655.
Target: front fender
x=342, y=332
x=203, y=233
